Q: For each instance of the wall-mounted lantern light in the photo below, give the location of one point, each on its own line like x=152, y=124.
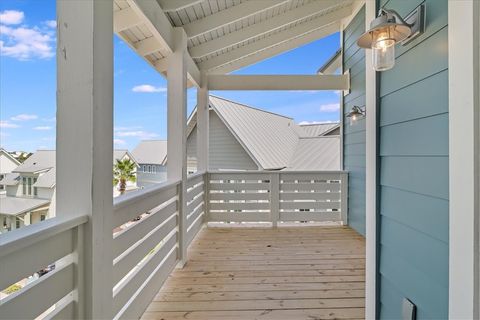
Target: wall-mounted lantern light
x=388, y=29
x=356, y=114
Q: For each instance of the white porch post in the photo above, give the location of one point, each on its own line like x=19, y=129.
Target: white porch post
x=85, y=143
x=203, y=124
x=177, y=126
x=371, y=175
x=464, y=166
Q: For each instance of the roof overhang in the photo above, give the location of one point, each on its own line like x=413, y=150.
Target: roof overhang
x=223, y=36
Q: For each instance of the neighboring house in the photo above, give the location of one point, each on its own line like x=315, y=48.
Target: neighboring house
x=30, y=190
x=246, y=138
x=7, y=164
x=151, y=156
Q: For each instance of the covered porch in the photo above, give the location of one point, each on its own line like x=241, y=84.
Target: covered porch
x=156, y=255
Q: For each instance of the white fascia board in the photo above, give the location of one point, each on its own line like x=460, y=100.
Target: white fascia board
x=175, y=5
x=278, y=82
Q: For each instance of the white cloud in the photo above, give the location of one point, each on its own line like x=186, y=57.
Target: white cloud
x=331, y=107
x=42, y=128
x=302, y=123
x=9, y=125
x=11, y=17
x=51, y=23
x=137, y=134
x=147, y=88
x=119, y=142
x=24, y=43
x=24, y=117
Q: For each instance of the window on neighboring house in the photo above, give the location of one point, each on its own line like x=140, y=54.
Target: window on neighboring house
x=24, y=185
x=148, y=169
x=42, y=217
x=17, y=222
x=154, y=169
x=29, y=187
x=35, y=191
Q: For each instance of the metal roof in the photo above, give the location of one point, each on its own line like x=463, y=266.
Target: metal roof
x=151, y=152
x=14, y=206
x=316, y=154
x=41, y=160
x=225, y=35
x=10, y=179
x=317, y=129
x=269, y=138
x=46, y=180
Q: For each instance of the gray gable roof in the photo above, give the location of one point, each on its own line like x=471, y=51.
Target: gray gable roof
x=274, y=141
x=151, y=152
x=41, y=160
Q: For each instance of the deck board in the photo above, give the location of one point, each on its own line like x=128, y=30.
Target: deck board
x=283, y=273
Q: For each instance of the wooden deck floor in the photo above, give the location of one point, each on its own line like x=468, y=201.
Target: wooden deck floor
x=284, y=273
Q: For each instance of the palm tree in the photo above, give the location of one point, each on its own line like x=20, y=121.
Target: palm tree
x=123, y=171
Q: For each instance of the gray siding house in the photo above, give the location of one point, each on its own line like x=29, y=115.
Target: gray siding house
x=151, y=156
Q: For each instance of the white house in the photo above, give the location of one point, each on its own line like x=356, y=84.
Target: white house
x=7, y=164
x=245, y=138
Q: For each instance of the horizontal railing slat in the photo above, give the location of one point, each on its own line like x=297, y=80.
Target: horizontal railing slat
x=23, y=263
x=63, y=310
x=240, y=186
x=310, y=216
x=194, y=214
x=126, y=238
x=239, y=217
x=142, y=298
x=135, y=280
x=333, y=196
x=248, y=175
x=195, y=191
x=225, y=196
x=310, y=186
x=194, y=227
x=130, y=259
x=37, y=297
x=192, y=205
x=310, y=205
x=131, y=205
x=195, y=179
x=240, y=206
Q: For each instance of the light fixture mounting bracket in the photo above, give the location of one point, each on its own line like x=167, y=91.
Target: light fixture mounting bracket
x=416, y=21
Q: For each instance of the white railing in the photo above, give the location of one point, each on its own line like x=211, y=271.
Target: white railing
x=277, y=197
x=145, y=249
x=55, y=242
x=146, y=238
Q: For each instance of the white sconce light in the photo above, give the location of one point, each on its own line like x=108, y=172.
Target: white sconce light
x=387, y=30
x=356, y=114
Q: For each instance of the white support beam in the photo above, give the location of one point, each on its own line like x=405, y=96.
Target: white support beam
x=158, y=23
x=203, y=125
x=371, y=175
x=268, y=25
x=278, y=82
x=177, y=127
x=464, y=158
x=175, y=5
x=230, y=15
x=147, y=46
x=268, y=47
x=85, y=142
x=125, y=19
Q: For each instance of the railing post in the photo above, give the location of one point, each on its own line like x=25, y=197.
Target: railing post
x=84, y=147
x=176, y=127
x=275, y=198
x=344, y=197
x=206, y=196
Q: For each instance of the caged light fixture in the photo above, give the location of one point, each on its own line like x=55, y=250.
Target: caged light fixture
x=388, y=29
x=356, y=114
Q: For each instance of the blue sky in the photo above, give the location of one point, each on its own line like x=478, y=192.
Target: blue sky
x=28, y=83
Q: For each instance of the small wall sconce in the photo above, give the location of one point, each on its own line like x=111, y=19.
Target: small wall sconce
x=356, y=114
x=387, y=30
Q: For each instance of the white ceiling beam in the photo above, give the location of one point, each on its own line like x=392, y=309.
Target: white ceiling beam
x=278, y=82
x=288, y=36
x=157, y=22
x=277, y=49
x=227, y=16
x=125, y=19
x=266, y=26
x=147, y=46
x=175, y=5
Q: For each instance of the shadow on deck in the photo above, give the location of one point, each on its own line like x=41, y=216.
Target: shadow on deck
x=283, y=273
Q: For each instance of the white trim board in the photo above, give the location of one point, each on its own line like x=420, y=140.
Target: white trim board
x=463, y=63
